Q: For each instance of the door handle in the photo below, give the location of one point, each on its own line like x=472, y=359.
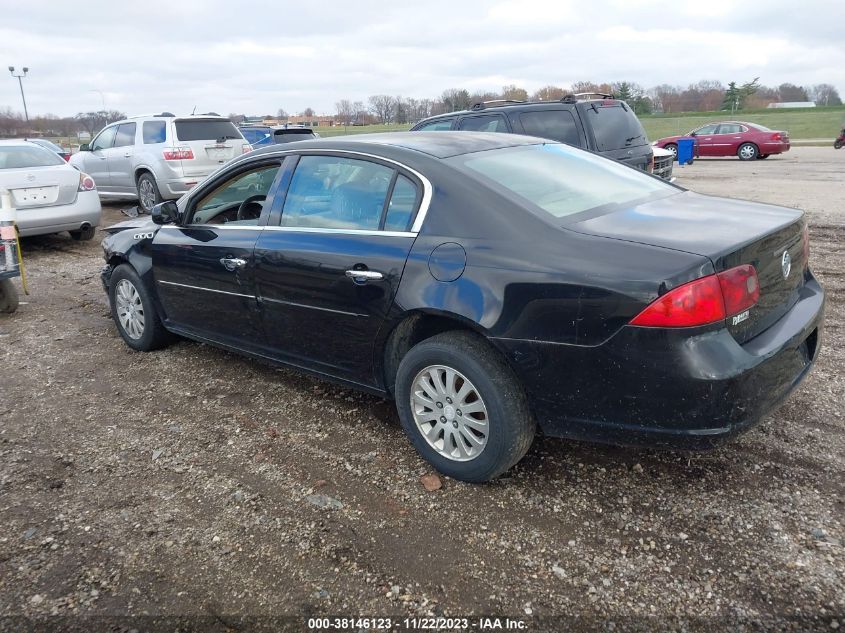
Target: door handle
x=363, y=276
x=127, y=155
x=232, y=263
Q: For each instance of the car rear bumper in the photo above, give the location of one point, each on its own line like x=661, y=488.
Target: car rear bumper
x=66, y=217
x=668, y=388
x=773, y=147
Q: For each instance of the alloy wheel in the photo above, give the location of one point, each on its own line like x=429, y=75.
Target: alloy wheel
x=146, y=194
x=130, y=310
x=450, y=413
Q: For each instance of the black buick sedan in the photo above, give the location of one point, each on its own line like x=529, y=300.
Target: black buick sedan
x=489, y=283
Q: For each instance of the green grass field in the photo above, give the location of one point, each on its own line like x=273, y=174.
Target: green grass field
x=809, y=123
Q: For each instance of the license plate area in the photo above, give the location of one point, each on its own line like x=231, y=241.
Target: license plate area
x=35, y=196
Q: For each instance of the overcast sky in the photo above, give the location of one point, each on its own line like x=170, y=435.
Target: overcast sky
x=254, y=57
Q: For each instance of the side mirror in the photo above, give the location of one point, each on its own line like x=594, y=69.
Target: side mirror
x=165, y=213
x=85, y=147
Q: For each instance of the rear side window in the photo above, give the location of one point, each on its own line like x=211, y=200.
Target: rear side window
x=400, y=209
x=436, y=126
x=336, y=193
x=615, y=127
x=125, y=135
x=154, y=132
x=558, y=125
x=206, y=130
x=730, y=128
x=488, y=123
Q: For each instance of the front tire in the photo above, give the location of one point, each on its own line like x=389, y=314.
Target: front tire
x=462, y=407
x=8, y=296
x=747, y=151
x=133, y=311
x=148, y=193
x=672, y=148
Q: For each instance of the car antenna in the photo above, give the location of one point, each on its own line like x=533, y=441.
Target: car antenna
x=194, y=111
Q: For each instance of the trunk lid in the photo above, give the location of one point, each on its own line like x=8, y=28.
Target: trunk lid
x=213, y=142
x=729, y=233
x=46, y=186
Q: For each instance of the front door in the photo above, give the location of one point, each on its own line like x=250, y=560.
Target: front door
x=327, y=275
x=121, y=175
x=204, y=268
x=96, y=162
x=704, y=140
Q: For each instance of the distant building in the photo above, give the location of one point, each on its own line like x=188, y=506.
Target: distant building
x=793, y=104
x=310, y=121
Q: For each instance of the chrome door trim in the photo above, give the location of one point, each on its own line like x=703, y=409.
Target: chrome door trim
x=222, y=292
x=305, y=305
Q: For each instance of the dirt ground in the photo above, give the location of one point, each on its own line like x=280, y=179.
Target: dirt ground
x=191, y=489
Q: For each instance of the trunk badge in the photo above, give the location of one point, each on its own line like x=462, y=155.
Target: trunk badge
x=30, y=177
x=786, y=264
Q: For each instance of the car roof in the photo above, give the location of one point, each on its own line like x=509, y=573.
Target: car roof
x=437, y=144
x=17, y=141
x=505, y=104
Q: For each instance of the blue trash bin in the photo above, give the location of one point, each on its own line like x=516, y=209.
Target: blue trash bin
x=686, y=150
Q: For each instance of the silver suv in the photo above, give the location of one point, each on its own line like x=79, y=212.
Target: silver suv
x=158, y=157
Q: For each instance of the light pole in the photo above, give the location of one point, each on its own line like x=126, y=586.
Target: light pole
x=102, y=98
x=20, y=83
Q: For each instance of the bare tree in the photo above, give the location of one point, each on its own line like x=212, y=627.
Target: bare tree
x=93, y=122
x=549, y=93
x=825, y=95
x=360, y=112
x=382, y=107
x=512, y=93
x=281, y=114
x=455, y=99
x=308, y=112
x=345, y=111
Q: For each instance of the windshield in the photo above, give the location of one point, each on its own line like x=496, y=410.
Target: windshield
x=24, y=157
x=615, y=127
x=562, y=180
x=206, y=130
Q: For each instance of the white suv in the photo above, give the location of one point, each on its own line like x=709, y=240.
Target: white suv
x=158, y=157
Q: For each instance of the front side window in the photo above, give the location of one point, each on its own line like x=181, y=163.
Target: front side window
x=707, y=129
x=488, y=123
x=239, y=200
x=336, y=193
x=558, y=125
x=26, y=156
x=125, y=135
x=104, y=139
x=437, y=126
x=154, y=132
x=560, y=180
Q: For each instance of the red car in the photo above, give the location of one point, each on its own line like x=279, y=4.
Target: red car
x=748, y=141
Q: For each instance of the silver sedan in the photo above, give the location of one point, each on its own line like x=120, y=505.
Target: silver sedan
x=50, y=196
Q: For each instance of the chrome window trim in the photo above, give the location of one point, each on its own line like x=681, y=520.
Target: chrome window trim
x=222, y=292
x=422, y=212
x=292, y=229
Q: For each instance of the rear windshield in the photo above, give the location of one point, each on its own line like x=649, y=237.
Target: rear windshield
x=562, y=180
x=615, y=127
x=48, y=144
x=288, y=136
x=23, y=157
x=206, y=130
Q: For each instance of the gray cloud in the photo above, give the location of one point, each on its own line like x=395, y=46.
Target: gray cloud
x=256, y=57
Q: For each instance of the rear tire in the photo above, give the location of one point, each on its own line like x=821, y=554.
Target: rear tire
x=134, y=313
x=83, y=235
x=747, y=151
x=148, y=193
x=8, y=296
x=838, y=144
x=672, y=148
x=763, y=156
x=484, y=441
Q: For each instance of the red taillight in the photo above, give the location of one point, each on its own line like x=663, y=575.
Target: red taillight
x=740, y=288
x=246, y=149
x=777, y=136
x=178, y=153
x=703, y=301
x=86, y=183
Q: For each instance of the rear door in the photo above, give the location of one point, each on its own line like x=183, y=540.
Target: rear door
x=728, y=138
x=120, y=159
x=616, y=132
x=205, y=268
x=212, y=141
x=327, y=274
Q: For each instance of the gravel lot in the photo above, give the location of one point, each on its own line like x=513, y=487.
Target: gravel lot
x=193, y=483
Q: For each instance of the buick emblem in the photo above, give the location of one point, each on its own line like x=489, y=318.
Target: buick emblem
x=785, y=264
x=30, y=177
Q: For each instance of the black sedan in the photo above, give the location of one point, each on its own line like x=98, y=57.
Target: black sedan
x=489, y=283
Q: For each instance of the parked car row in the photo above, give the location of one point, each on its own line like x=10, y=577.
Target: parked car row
x=747, y=141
